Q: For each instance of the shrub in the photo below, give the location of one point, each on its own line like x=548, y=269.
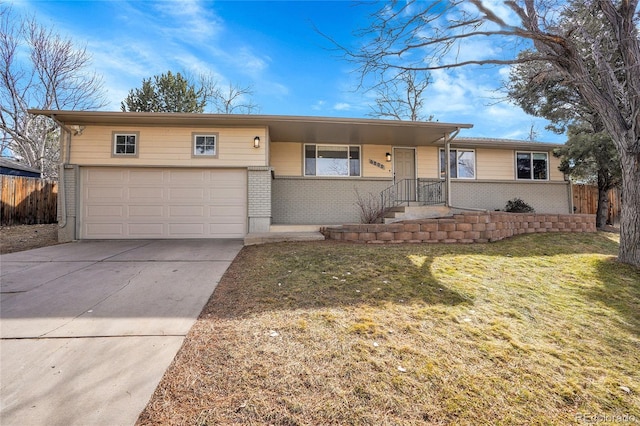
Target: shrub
x=518, y=206
x=371, y=208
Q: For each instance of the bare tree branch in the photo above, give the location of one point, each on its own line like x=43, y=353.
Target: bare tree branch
x=402, y=98
x=55, y=76
x=234, y=100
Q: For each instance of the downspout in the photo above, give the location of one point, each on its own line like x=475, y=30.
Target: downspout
x=570, y=193
x=62, y=193
x=447, y=155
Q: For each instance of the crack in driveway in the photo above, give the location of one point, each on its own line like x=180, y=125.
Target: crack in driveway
x=94, y=305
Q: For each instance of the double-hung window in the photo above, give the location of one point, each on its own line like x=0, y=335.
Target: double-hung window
x=125, y=144
x=205, y=145
x=532, y=165
x=462, y=164
x=331, y=160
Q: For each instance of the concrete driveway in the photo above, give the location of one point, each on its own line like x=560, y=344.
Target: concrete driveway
x=89, y=328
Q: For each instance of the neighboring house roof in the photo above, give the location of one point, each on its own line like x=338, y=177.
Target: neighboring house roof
x=281, y=128
x=10, y=167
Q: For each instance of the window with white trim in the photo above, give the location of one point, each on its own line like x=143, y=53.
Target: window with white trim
x=125, y=144
x=532, y=165
x=462, y=163
x=205, y=145
x=331, y=160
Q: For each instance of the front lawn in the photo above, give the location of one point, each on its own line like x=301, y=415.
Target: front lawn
x=537, y=329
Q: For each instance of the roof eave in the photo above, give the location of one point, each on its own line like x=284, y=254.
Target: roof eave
x=281, y=128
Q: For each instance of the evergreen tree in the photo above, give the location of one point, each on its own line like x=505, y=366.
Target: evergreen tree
x=166, y=93
x=591, y=156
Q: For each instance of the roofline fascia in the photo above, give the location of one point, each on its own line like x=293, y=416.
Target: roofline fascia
x=261, y=119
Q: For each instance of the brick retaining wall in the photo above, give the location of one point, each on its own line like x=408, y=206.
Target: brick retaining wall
x=470, y=227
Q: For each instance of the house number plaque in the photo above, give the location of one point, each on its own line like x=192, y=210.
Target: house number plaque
x=375, y=163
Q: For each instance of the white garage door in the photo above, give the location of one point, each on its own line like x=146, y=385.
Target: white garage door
x=163, y=203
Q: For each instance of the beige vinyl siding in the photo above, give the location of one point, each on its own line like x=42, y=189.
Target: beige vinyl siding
x=286, y=158
x=495, y=164
x=427, y=162
x=500, y=164
x=554, y=173
x=170, y=146
x=378, y=154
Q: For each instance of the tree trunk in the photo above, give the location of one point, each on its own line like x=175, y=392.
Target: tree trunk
x=603, y=207
x=629, y=217
x=604, y=185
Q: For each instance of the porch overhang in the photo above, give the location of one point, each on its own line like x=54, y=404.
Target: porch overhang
x=281, y=128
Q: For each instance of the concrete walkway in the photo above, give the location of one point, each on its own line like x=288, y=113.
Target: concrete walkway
x=279, y=237
x=88, y=329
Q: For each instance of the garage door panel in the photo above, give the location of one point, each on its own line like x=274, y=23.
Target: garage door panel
x=106, y=193
x=232, y=174
x=146, y=192
x=186, y=177
x=104, y=211
x=152, y=177
x=146, y=211
x=235, y=211
x=227, y=194
x=103, y=175
x=163, y=203
x=226, y=220
x=182, y=211
x=105, y=230
x=186, y=193
x=227, y=186
x=146, y=230
x=186, y=229
x=230, y=230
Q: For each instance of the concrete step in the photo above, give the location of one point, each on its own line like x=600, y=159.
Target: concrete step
x=296, y=228
x=419, y=212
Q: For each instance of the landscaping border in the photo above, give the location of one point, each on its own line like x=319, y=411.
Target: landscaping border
x=468, y=227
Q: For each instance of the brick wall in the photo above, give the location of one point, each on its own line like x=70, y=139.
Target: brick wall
x=259, y=182
x=259, y=198
x=322, y=201
x=543, y=196
x=471, y=227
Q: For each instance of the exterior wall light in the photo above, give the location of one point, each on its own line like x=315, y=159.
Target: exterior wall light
x=388, y=155
x=256, y=142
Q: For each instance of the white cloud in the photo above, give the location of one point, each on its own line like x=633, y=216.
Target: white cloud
x=342, y=106
x=192, y=21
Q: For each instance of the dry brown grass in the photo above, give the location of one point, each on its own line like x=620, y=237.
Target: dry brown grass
x=534, y=330
x=27, y=237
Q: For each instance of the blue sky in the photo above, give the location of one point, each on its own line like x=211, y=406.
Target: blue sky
x=272, y=47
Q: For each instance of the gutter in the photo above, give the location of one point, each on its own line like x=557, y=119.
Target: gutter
x=62, y=214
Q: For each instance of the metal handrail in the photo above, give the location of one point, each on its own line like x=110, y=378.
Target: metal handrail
x=423, y=192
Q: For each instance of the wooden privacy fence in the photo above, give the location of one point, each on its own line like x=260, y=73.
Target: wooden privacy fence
x=585, y=201
x=26, y=200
